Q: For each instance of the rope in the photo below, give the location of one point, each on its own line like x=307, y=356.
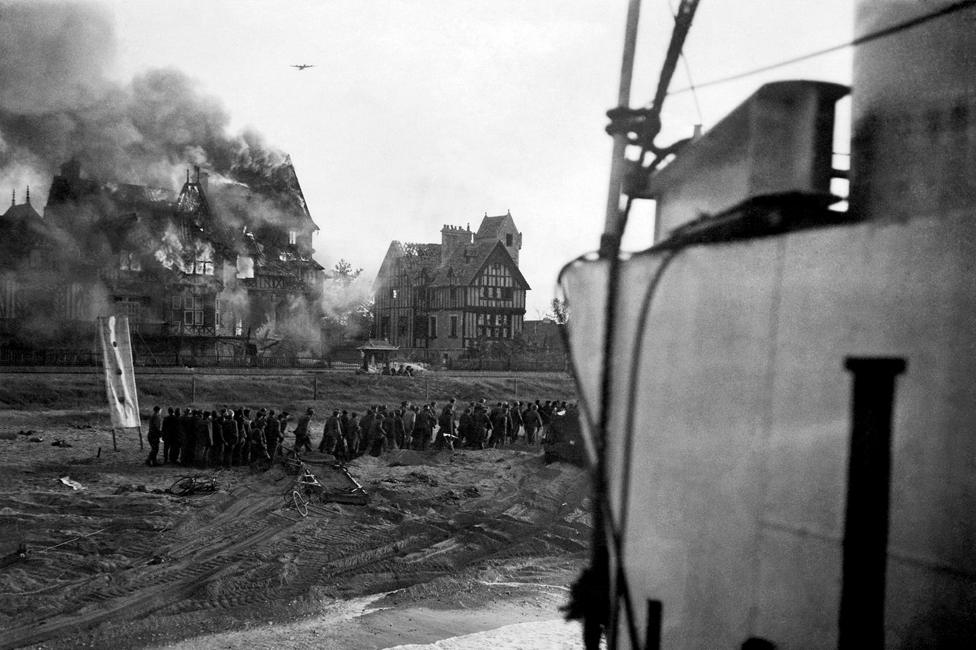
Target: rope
x=867, y=38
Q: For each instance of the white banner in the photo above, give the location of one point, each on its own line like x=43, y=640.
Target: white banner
x=120, y=379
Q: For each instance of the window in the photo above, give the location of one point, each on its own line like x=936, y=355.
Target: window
x=432, y=327
x=493, y=326
x=453, y=294
x=203, y=267
x=402, y=325
x=192, y=308
x=384, y=327
x=203, y=260
x=128, y=306
x=292, y=237
x=34, y=260
x=508, y=239
x=454, y=321
x=129, y=262
x=217, y=312
x=394, y=294
x=239, y=327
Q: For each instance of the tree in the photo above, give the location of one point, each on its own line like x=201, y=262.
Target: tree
x=558, y=311
x=347, y=304
x=344, y=274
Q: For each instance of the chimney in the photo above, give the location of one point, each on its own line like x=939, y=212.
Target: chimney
x=71, y=170
x=453, y=237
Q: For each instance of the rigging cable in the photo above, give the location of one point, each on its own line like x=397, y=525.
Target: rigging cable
x=881, y=33
x=604, y=530
x=647, y=124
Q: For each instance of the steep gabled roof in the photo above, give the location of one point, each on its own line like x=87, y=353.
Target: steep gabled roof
x=22, y=213
x=415, y=260
x=491, y=227
x=192, y=199
x=468, y=261
x=464, y=263
x=274, y=179
x=21, y=229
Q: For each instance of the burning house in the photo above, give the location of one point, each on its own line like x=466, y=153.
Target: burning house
x=215, y=270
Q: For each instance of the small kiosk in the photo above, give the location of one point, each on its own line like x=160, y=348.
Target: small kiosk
x=377, y=354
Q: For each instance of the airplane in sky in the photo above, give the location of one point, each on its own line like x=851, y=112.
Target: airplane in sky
x=304, y=65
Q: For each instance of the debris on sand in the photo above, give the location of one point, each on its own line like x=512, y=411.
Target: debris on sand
x=131, y=566
x=424, y=478
x=17, y=556
x=74, y=485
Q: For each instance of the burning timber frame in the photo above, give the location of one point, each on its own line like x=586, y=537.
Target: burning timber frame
x=200, y=273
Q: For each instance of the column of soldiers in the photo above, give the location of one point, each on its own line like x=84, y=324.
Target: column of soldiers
x=224, y=438
x=422, y=427
x=231, y=437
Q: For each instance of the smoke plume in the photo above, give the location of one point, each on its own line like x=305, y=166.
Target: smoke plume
x=57, y=103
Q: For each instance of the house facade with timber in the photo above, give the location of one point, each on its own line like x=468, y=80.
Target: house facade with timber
x=441, y=301
x=200, y=273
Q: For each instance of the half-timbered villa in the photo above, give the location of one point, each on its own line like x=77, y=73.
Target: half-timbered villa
x=438, y=301
x=203, y=273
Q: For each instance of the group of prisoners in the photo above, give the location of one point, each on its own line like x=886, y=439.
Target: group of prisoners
x=200, y=438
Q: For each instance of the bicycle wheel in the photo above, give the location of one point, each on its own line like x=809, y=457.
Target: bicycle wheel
x=182, y=486
x=301, y=503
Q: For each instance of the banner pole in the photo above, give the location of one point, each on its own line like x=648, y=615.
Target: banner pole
x=140, y=438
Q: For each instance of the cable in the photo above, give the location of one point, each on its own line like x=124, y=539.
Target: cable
x=694, y=91
x=882, y=33
x=610, y=531
x=635, y=358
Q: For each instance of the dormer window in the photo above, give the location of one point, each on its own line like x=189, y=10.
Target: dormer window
x=203, y=267
x=292, y=237
x=203, y=261
x=508, y=240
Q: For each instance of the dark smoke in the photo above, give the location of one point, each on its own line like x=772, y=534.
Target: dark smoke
x=56, y=103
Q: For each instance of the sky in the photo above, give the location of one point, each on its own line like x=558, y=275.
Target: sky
x=420, y=113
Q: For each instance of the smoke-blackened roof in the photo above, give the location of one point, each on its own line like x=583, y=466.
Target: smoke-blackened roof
x=23, y=213
x=277, y=182
x=21, y=229
x=461, y=267
x=422, y=262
